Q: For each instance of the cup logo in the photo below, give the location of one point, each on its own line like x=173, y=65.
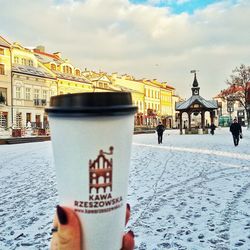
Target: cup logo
x=100, y=172
x=100, y=199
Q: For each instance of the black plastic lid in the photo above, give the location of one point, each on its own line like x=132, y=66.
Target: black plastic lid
x=92, y=104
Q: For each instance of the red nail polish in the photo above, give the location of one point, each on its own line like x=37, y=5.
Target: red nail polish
x=128, y=206
x=131, y=233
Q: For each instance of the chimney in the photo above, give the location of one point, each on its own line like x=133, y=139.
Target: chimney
x=40, y=48
x=58, y=54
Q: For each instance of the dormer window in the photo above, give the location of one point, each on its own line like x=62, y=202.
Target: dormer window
x=53, y=66
x=77, y=72
x=67, y=70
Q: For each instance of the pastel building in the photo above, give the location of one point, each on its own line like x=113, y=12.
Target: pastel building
x=5, y=83
x=69, y=79
x=32, y=87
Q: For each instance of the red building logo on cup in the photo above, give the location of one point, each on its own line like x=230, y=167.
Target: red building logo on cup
x=100, y=198
x=100, y=172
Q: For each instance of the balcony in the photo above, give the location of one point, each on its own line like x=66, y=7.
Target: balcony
x=40, y=102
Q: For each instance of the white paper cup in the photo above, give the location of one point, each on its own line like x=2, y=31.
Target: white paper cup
x=91, y=138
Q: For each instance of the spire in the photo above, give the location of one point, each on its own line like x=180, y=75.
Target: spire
x=195, y=82
x=195, y=88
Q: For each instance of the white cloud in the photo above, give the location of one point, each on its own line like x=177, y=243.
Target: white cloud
x=117, y=36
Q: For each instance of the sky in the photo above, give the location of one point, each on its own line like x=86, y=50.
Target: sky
x=153, y=39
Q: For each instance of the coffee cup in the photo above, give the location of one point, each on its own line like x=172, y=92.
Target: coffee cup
x=91, y=137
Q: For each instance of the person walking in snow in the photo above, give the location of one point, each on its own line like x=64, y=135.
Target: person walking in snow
x=236, y=131
x=212, y=128
x=160, y=129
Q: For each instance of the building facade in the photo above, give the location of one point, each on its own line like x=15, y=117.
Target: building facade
x=69, y=79
x=33, y=85
x=5, y=83
x=29, y=77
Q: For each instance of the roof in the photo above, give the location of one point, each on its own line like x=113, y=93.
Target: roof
x=231, y=90
x=29, y=70
x=211, y=104
x=4, y=43
x=71, y=77
x=44, y=57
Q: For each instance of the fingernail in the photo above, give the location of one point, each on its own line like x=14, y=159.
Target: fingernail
x=62, y=216
x=131, y=233
x=128, y=206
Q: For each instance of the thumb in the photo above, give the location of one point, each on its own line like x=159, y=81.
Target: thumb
x=68, y=235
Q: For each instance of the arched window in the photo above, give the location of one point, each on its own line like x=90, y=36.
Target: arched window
x=77, y=72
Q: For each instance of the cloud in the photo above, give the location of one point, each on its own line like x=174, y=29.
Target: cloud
x=117, y=36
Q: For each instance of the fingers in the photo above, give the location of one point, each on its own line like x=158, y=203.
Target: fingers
x=68, y=235
x=67, y=231
x=128, y=242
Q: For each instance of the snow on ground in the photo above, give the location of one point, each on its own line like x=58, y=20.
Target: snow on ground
x=191, y=192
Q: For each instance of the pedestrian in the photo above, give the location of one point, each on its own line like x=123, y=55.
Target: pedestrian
x=236, y=131
x=212, y=128
x=160, y=129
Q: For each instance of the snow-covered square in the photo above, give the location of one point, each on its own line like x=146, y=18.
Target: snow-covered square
x=190, y=192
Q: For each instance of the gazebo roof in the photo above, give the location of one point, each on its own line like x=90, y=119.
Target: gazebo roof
x=208, y=104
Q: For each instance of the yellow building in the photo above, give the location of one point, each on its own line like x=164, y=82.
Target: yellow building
x=167, y=115
x=101, y=81
x=5, y=83
x=152, y=109
x=129, y=84
x=69, y=78
x=38, y=75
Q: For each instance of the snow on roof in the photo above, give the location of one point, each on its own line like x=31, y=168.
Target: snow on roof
x=31, y=71
x=71, y=77
x=209, y=104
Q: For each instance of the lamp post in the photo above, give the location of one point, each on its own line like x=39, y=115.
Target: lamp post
x=230, y=106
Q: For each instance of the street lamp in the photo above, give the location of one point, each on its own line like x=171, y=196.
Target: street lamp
x=230, y=106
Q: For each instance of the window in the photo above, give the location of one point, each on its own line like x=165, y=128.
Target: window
x=18, y=92
x=28, y=117
x=67, y=70
x=77, y=72
x=1, y=69
x=16, y=60
x=1, y=51
x=3, y=96
x=45, y=94
x=19, y=119
x=36, y=93
x=27, y=94
x=30, y=63
x=53, y=66
x=23, y=61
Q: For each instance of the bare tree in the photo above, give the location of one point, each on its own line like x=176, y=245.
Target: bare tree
x=239, y=88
